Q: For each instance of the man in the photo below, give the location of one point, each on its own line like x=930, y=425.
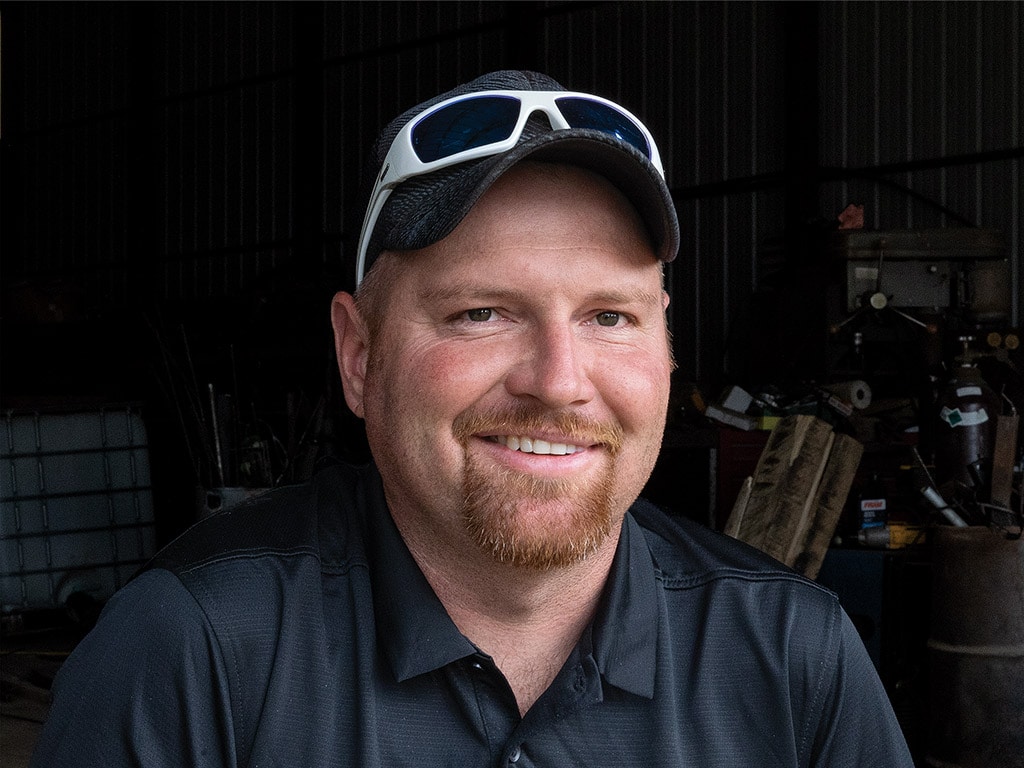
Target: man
x=490, y=592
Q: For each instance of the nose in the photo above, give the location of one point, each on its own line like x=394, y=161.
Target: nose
x=553, y=368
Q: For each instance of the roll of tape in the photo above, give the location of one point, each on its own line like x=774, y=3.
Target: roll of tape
x=856, y=393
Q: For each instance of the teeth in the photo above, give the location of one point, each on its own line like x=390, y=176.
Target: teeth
x=536, y=446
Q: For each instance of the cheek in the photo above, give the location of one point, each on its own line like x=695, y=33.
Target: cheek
x=428, y=383
x=637, y=390
x=639, y=400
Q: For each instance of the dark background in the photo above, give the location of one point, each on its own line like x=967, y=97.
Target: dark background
x=180, y=181
x=179, y=200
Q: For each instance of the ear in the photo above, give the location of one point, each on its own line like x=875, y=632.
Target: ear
x=350, y=346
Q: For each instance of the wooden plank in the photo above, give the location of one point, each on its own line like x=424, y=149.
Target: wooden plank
x=780, y=451
x=787, y=538
x=786, y=470
x=735, y=522
x=795, y=493
x=809, y=551
x=791, y=505
x=1004, y=457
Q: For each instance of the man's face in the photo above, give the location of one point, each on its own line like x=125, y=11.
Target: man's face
x=515, y=394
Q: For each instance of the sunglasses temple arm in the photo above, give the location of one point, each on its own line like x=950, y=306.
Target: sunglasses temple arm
x=369, y=223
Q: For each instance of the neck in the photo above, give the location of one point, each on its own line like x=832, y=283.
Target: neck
x=528, y=621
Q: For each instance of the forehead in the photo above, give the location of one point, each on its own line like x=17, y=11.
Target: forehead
x=541, y=227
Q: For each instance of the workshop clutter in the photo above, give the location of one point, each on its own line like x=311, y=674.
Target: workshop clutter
x=763, y=409
x=247, y=419
x=947, y=453
x=791, y=505
x=926, y=318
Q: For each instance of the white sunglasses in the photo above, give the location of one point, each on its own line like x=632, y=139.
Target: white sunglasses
x=486, y=123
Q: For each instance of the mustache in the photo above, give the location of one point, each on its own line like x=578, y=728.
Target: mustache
x=525, y=419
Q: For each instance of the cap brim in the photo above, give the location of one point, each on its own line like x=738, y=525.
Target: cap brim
x=438, y=205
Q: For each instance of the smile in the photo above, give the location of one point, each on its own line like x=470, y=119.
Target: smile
x=535, y=445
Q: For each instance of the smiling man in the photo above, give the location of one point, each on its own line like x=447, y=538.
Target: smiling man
x=490, y=591
x=516, y=395
x=522, y=374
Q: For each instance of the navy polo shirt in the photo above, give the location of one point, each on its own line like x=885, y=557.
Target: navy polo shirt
x=297, y=630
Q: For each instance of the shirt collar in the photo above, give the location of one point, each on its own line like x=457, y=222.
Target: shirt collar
x=625, y=629
x=413, y=627
x=417, y=635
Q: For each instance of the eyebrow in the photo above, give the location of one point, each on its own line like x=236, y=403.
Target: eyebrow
x=488, y=295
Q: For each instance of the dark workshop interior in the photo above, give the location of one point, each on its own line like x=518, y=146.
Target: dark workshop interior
x=180, y=200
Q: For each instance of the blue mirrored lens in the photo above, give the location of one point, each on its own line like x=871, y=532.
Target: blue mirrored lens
x=583, y=113
x=474, y=122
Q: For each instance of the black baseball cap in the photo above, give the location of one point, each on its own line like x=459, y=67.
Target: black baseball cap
x=426, y=208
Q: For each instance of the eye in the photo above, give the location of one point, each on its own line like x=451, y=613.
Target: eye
x=481, y=315
x=608, y=319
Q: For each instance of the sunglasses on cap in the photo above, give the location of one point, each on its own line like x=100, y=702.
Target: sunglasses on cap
x=486, y=123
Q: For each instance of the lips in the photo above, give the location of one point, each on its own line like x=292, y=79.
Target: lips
x=535, y=445
x=539, y=432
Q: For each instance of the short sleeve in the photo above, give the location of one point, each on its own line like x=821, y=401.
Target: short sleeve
x=146, y=687
x=857, y=725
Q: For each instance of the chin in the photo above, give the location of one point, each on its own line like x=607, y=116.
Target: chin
x=537, y=523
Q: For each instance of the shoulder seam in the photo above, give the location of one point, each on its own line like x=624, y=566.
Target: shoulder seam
x=719, y=574
x=249, y=554
x=253, y=554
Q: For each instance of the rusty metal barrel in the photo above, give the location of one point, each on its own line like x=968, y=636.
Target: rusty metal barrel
x=976, y=650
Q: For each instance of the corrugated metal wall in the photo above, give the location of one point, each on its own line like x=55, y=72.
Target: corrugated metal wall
x=177, y=152
x=223, y=138
x=69, y=140
x=906, y=83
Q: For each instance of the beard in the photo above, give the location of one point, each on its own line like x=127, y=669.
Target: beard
x=498, y=503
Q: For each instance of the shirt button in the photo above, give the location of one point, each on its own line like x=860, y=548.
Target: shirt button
x=515, y=755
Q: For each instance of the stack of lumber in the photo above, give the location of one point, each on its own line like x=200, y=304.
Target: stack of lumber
x=791, y=505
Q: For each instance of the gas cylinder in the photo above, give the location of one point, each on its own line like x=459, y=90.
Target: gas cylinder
x=966, y=430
